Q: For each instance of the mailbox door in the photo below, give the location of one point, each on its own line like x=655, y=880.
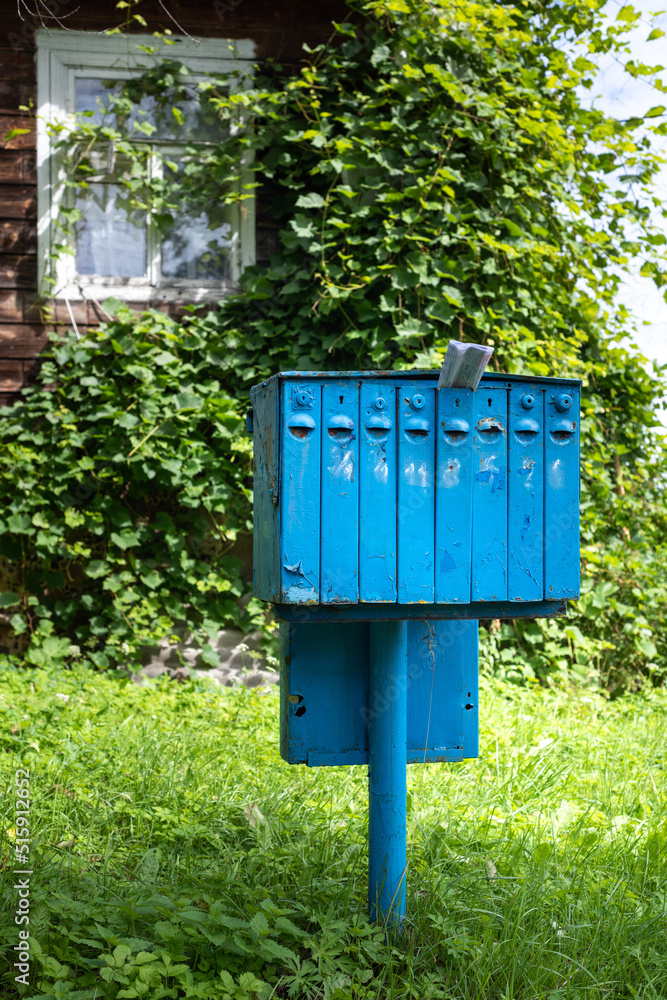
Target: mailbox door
x=377, y=489
x=561, y=529
x=416, y=492
x=443, y=667
x=301, y=420
x=453, y=496
x=340, y=493
x=266, y=524
x=525, y=522
x=489, y=503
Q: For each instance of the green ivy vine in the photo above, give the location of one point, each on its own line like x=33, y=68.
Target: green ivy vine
x=432, y=172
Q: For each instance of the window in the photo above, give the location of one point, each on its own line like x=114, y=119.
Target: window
x=115, y=247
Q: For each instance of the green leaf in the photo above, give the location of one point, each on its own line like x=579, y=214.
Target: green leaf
x=120, y=954
x=74, y=518
x=164, y=358
x=310, y=200
x=259, y=924
x=20, y=524
x=210, y=657
x=272, y=949
x=628, y=14
x=151, y=579
x=124, y=539
x=303, y=226
x=188, y=401
x=96, y=568
x=412, y=327
x=451, y=294
x=542, y=853
x=8, y=598
x=127, y=421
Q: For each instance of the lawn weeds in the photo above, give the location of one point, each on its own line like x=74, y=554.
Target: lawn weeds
x=174, y=854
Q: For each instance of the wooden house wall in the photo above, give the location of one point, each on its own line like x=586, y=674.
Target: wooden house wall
x=278, y=28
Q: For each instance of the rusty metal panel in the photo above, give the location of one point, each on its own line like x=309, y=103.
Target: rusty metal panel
x=375, y=508
x=525, y=523
x=453, y=496
x=489, y=518
x=324, y=689
x=324, y=693
x=340, y=493
x=266, y=534
x=561, y=493
x=377, y=492
x=416, y=492
x=301, y=421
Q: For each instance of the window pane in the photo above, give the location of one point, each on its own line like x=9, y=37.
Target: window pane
x=194, y=122
x=191, y=250
x=90, y=93
x=111, y=238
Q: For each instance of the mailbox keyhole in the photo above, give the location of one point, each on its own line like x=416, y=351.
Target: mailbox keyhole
x=489, y=402
x=456, y=401
x=340, y=399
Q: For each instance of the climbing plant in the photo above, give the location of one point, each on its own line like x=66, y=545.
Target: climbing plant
x=434, y=172
x=124, y=485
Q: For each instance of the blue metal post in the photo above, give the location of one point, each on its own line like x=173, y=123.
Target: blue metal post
x=387, y=780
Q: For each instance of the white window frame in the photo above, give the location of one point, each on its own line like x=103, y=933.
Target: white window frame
x=62, y=56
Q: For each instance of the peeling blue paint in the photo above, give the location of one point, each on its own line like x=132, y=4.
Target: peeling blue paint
x=494, y=477
x=353, y=508
x=447, y=563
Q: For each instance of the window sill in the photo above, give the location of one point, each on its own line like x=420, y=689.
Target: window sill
x=135, y=293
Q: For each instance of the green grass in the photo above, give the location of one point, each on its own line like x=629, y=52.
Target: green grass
x=204, y=866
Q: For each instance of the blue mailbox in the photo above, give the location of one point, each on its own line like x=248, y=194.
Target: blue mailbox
x=389, y=517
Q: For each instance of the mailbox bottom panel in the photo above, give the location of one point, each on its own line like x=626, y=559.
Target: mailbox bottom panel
x=324, y=692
